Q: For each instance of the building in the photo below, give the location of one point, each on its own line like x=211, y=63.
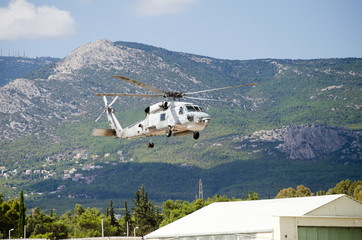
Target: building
x=305, y=218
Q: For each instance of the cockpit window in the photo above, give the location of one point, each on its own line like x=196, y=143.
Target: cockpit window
x=190, y=108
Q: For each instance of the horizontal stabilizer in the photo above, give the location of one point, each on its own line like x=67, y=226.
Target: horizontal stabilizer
x=104, y=132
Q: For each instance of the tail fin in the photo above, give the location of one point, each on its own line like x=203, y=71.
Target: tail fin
x=117, y=129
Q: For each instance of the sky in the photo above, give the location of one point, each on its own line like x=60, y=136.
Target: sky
x=225, y=29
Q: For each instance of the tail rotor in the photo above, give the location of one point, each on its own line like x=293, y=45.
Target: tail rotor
x=107, y=106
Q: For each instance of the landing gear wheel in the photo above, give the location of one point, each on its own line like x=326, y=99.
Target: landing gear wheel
x=196, y=135
x=168, y=132
x=150, y=145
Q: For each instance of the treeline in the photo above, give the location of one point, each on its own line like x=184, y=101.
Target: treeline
x=352, y=189
x=142, y=219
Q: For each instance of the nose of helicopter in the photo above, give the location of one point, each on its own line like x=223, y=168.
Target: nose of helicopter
x=204, y=119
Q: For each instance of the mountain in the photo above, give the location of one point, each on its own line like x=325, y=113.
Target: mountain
x=301, y=120
x=15, y=67
x=308, y=142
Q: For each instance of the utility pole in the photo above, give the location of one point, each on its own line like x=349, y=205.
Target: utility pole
x=10, y=233
x=102, y=230
x=134, y=231
x=201, y=192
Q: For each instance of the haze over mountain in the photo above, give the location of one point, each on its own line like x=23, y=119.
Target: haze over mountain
x=302, y=119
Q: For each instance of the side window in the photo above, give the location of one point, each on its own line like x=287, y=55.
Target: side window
x=163, y=117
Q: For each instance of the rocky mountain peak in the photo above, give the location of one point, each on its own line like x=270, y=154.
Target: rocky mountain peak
x=16, y=96
x=103, y=54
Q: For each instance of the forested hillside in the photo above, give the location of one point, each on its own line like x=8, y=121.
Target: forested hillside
x=16, y=67
x=299, y=125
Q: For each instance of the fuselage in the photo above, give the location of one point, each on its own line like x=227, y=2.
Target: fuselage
x=181, y=117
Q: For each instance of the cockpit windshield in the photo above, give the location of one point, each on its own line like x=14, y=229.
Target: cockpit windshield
x=191, y=108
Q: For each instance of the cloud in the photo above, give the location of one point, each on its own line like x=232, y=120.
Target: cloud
x=23, y=20
x=151, y=8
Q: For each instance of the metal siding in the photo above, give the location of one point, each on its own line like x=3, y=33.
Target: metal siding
x=302, y=233
x=329, y=233
x=356, y=233
x=335, y=234
x=312, y=234
x=323, y=234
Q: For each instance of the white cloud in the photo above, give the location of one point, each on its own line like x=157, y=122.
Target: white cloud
x=151, y=8
x=23, y=20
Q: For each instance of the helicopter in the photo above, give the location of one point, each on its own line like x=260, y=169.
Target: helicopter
x=163, y=118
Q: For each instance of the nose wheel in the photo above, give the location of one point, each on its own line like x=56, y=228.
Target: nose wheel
x=196, y=135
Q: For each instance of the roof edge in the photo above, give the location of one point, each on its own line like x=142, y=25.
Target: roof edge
x=212, y=234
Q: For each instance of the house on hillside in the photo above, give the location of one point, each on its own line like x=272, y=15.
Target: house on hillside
x=305, y=218
x=2, y=170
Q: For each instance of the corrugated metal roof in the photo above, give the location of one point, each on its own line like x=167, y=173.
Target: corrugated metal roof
x=240, y=217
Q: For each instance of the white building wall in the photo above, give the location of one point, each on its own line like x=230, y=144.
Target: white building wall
x=343, y=206
x=286, y=228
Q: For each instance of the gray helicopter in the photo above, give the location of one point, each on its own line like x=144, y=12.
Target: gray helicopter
x=163, y=118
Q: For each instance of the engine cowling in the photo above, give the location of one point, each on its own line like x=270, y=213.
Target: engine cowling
x=157, y=107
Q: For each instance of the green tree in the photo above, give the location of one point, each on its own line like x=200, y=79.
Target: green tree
x=341, y=188
x=347, y=187
x=357, y=194
x=111, y=214
x=146, y=216
x=286, y=193
x=69, y=221
x=173, y=210
x=321, y=193
x=126, y=220
x=9, y=216
x=88, y=223
x=303, y=191
x=22, y=210
x=290, y=192
x=37, y=223
x=254, y=196
x=78, y=210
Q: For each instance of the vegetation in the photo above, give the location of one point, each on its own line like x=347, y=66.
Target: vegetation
x=22, y=210
x=352, y=189
x=146, y=217
x=96, y=181
x=16, y=67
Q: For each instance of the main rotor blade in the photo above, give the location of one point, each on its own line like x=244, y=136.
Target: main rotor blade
x=153, y=89
x=215, y=89
x=206, y=99
x=129, y=95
